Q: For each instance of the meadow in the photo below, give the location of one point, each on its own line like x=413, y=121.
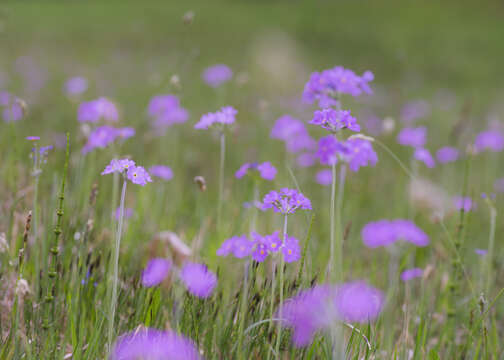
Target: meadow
x=251, y=179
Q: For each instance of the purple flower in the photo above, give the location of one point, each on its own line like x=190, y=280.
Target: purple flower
x=118, y=166
x=324, y=177
x=293, y=132
x=166, y=111
x=335, y=120
x=103, y=136
x=13, y=112
x=76, y=86
x=159, y=104
x=386, y=232
x=155, y=272
x=265, y=170
x=161, y=171
x=153, y=344
x=44, y=150
x=325, y=87
x=5, y=98
x=217, y=75
x=359, y=153
x=138, y=175
x=447, y=154
x=415, y=110
x=328, y=150
x=198, y=280
x=239, y=246
x=32, y=138
x=499, y=185
x=463, y=203
x=414, y=137
x=291, y=250
x=489, y=140
x=424, y=156
x=306, y=159
x=128, y=213
x=261, y=249
x=286, y=201
x=358, y=302
x=410, y=274
x=225, y=116
x=481, y=252
x=95, y=110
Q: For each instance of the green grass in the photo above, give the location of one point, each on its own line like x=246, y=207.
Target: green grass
x=129, y=50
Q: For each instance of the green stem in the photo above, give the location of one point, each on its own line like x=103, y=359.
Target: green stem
x=331, y=216
x=243, y=310
x=491, y=245
x=394, y=156
x=221, y=178
x=339, y=237
x=280, y=315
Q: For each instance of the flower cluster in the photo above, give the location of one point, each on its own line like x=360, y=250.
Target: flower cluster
x=286, y=201
x=161, y=171
x=136, y=174
x=293, y=132
x=153, y=344
x=95, y=110
x=102, y=136
x=335, y=120
x=356, y=152
x=198, y=280
x=165, y=110
x=265, y=170
x=217, y=75
x=328, y=84
x=225, y=116
x=387, y=232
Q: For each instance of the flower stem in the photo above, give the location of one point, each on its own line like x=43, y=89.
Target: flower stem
x=339, y=236
x=115, y=273
x=280, y=315
x=243, y=311
x=491, y=245
x=221, y=178
x=331, y=216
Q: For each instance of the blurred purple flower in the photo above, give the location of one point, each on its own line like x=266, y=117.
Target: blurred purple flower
x=410, y=274
x=103, y=136
x=128, y=213
x=166, y=111
x=489, y=140
x=239, y=246
x=293, y=132
x=198, y=280
x=447, y=154
x=306, y=159
x=291, y=250
x=359, y=153
x=5, y=98
x=414, y=110
x=217, y=75
x=32, y=138
x=386, y=232
x=324, y=177
x=286, y=201
x=75, y=86
x=225, y=116
x=328, y=150
x=162, y=172
x=153, y=344
x=155, y=272
x=358, y=302
x=95, y=110
x=265, y=170
x=13, y=112
x=481, y=252
x=463, y=203
x=335, y=120
x=415, y=137
x=424, y=156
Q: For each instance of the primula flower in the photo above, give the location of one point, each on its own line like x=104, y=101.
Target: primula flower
x=161, y=171
x=118, y=166
x=103, y=136
x=447, y=154
x=198, y=280
x=411, y=274
x=225, y=116
x=75, y=86
x=359, y=153
x=138, y=175
x=165, y=110
x=489, y=140
x=32, y=138
x=217, y=75
x=291, y=249
x=328, y=150
x=358, y=302
x=325, y=87
x=153, y=344
x=293, y=132
x=414, y=137
x=386, y=232
x=155, y=272
x=424, y=156
x=265, y=170
x=335, y=120
x=286, y=201
x=95, y=110
x=324, y=177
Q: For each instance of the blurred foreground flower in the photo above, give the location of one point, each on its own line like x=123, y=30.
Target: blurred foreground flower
x=198, y=280
x=217, y=75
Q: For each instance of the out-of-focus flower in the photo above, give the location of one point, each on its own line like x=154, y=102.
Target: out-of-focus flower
x=265, y=170
x=153, y=344
x=165, y=110
x=328, y=150
x=155, y=272
x=217, y=75
x=118, y=166
x=225, y=116
x=161, y=171
x=128, y=213
x=306, y=159
x=324, y=177
x=293, y=132
x=286, y=201
x=75, y=86
x=481, y=252
x=447, y=154
x=359, y=153
x=32, y=138
x=424, y=156
x=13, y=112
x=463, y=203
x=358, y=302
x=386, y=232
x=426, y=195
x=489, y=140
x=291, y=249
x=414, y=110
x=335, y=120
x=415, y=137
x=411, y=274
x=198, y=280
x=103, y=136
x=95, y=110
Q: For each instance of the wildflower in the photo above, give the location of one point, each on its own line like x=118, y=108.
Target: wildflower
x=327, y=85
x=463, y=203
x=411, y=274
x=414, y=110
x=75, y=86
x=293, y=132
x=414, y=137
x=44, y=150
x=217, y=75
x=386, y=232
x=424, y=156
x=161, y=171
x=447, y=154
x=118, y=166
x=103, y=136
x=335, y=120
x=265, y=169
x=138, y=175
x=166, y=111
x=358, y=302
x=291, y=250
x=489, y=140
x=225, y=116
x=359, y=153
x=324, y=177
x=198, y=280
x=13, y=112
x=155, y=272
x=328, y=150
x=261, y=251
x=95, y=110
x=286, y=201
x=153, y=344
x=306, y=159
x=239, y=246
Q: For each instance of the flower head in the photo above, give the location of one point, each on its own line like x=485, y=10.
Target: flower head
x=291, y=249
x=489, y=140
x=239, y=246
x=447, y=154
x=103, y=136
x=225, y=116
x=118, y=166
x=198, y=280
x=217, y=75
x=95, y=110
x=359, y=153
x=33, y=138
x=328, y=150
x=155, y=272
x=414, y=137
x=463, y=203
x=293, y=132
x=411, y=274
x=138, y=175
x=358, y=302
x=424, y=156
x=335, y=120
x=265, y=170
x=161, y=171
x=324, y=177
x=165, y=110
x=286, y=201
x=75, y=86
x=386, y=232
